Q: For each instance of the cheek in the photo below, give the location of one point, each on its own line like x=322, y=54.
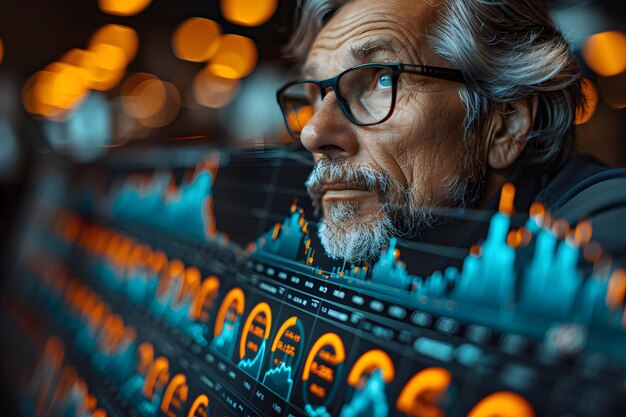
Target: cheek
x=432, y=125
x=438, y=117
x=426, y=133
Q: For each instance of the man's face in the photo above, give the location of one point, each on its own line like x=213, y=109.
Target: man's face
x=378, y=181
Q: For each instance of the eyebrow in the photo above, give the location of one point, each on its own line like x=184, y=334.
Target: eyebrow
x=307, y=73
x=362, y=53
x=365, y=50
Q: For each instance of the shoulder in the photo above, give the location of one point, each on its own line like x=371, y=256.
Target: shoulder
x=585, y=189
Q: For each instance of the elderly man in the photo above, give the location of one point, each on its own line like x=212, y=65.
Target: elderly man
x=410, y=105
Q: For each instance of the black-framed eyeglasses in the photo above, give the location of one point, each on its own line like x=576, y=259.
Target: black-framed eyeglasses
x=366, y=93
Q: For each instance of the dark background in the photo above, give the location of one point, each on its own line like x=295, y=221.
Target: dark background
x=38, y=32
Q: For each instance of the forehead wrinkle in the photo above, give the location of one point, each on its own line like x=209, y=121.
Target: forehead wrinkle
x=343, y=28
x=345, y=24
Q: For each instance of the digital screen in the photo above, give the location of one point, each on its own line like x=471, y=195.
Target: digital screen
x=191, y=282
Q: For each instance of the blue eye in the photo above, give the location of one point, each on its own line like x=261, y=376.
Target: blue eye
x=385, y=81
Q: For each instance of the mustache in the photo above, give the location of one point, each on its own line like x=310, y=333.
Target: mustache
x=359, y=176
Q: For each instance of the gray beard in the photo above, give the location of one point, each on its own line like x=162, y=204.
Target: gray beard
x=358, y=242
x=344, y=238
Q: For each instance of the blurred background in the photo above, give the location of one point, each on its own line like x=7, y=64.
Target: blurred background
x=78, y=78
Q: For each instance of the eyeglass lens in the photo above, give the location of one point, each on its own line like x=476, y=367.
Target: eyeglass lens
x=366, y=92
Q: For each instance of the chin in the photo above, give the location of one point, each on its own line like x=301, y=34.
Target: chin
x=354, y=241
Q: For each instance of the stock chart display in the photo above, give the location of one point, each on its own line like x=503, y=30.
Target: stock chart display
x=192, y=284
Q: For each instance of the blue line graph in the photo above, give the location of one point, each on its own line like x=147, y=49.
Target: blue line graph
x=253, y=366
x=489, y=279
x=224, y=343
x=541, y=277
x=316, y=411
x=371, y=401
x=279, y=380
x=186, y=210
x=388, y=271
x=550, y=286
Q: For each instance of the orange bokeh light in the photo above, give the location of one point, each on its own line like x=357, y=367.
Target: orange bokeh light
x=103, y=65
x=152, y=94
x=1, y=51
x=605, y=53
x=146, y=98
x=123, y=7
x=591, y=100
x=109, y=66
x=56, y=90
x=617, y=289
x=32, y=104
x=236, y=57
x=134, y=80
x=213, y=91
x=152, y=102
x=248, y=12
x=297, y=120
x=63, y=85
x=120, y=36
x=168, y=112
x=196, y=39
x=85, y=60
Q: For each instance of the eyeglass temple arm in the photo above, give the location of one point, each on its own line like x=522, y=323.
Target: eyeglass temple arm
x=435, y=72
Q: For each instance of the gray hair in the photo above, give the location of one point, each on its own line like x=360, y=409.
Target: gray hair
x=507, y=50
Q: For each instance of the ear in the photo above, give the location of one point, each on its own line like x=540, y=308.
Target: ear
x=507, y=131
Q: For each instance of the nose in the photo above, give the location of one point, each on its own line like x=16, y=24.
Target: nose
x=329, y=132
